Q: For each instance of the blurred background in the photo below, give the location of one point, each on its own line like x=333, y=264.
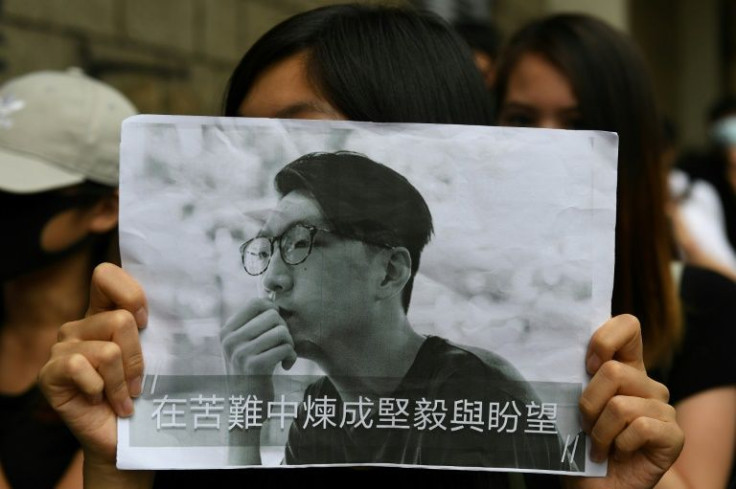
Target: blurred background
x=173, y=56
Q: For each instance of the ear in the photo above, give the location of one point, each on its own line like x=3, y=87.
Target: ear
x=103, y=215
x=396, y=273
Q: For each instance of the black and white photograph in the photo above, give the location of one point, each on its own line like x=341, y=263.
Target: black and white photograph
x=345, y=293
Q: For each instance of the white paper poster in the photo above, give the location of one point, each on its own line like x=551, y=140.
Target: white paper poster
x=297, y=316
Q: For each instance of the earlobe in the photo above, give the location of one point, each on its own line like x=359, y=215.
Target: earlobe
x=103, y=215
x=396, y=274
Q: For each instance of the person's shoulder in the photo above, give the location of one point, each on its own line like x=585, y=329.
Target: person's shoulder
x=485, y=361
x=323, y=386
x=709, y=308
x=705, y=357
x=454, y=367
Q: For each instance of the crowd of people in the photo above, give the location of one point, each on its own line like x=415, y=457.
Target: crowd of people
x=660, y=406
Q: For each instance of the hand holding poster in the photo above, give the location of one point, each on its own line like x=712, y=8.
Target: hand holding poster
x=355, y=293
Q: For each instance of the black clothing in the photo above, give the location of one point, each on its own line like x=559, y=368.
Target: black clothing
x=440, y=371
x=348, y=477
x=36, y=447
x=446, y=364
x=705, y=359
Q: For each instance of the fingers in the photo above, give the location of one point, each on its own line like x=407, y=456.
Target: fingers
x=112, y=288
x=98, y=354
x=75, y=382
x=64, y=372
x=619, y=339
x=617, y=396
x=257, y=345
x=117, y=328
x=257, y=338
x=254, y=328
x=620, y=412
x=243, y=342
x=662, y=438
x=263, y=362
x=620, y=392
x=290, y=360
x=252, y=309
x=98, y=364
x=614, y=379
x=95, y=367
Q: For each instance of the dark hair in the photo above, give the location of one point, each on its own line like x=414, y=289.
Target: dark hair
x=481, y=36
x=670, y=133
x=374, y=63
x=365, y=200
x=614, y=93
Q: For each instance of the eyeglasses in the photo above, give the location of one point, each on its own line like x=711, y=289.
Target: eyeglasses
x=295, y=246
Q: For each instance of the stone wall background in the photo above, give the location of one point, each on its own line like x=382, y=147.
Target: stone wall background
x=174, y=56
x=168, y=56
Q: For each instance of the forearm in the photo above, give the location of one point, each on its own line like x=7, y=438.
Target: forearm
x=673, y=480
x=73, y=476
x=708, y=421
x=104, y=475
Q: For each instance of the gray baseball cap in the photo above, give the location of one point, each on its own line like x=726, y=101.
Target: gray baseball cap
x=59, y=128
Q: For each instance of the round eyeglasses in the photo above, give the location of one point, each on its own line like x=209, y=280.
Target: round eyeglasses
x=295, y=245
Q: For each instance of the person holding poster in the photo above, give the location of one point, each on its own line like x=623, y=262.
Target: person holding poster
x=553, y=75
x=97, y=366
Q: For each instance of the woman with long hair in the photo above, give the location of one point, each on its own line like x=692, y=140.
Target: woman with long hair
x=576, y=72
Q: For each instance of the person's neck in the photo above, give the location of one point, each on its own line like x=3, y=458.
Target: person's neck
x=35, y=306
x=374, y=364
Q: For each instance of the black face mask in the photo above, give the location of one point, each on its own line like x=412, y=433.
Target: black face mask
x=22, y=219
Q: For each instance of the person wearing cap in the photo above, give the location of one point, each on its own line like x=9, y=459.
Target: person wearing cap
x=59, y=143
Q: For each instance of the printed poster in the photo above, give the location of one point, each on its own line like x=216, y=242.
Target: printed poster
x=344, y=293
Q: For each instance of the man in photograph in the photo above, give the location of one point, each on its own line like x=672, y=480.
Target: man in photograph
x=337, y=259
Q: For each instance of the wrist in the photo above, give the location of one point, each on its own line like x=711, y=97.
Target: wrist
x=102, y=473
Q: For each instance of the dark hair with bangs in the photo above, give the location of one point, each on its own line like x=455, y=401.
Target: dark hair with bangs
x=374, y=63
x=614, y=92
x=365, y=200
